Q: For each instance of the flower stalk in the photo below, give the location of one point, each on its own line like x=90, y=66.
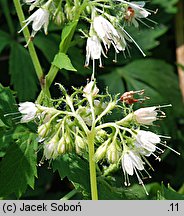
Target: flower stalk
x=92, y=164
x=31, y=48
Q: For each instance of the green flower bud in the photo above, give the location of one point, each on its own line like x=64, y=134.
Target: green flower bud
x=101, y=151
x=113, y=153
x=80, y=142
x=50, y=147
x=61, y=146
x=101, y=136
x=43, y=130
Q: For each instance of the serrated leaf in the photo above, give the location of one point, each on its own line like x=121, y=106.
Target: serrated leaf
x=75, y=168
x=5, y=40
x=23, y=76
x=7, y=106
x=7, y=100
x=45, y=44
x=62, y=61
x=18, y=168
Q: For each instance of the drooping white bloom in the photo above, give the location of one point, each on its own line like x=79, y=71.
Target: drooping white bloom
x=132, y=163
x=40, y=18
x=107, y=33
x=28, y=110
x=93, y=49
x=90, y=88
x=146, y=115
x=146, y=142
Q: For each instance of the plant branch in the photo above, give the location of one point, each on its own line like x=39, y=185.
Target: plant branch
x=31, y=48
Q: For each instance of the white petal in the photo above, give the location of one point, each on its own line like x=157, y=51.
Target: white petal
x=136, y=160
x=127, y=164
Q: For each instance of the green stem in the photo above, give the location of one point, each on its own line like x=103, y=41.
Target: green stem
x=5, y=6
x=70, y=194
x=92, y=165
x=31, y=48
x=63, y=48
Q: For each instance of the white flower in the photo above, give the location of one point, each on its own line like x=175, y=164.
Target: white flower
x=28, y=110
x=40, y=18
x=107, y=33
x=146, y=142
x=146, y=115
x=134, y=11
x=132, y=163
x=93, y=49
x=90, y=88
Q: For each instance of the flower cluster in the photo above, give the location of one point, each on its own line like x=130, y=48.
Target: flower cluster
x=107, y=22
x=65, y=127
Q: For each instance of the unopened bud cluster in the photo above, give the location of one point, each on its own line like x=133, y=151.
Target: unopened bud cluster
x=66, y=128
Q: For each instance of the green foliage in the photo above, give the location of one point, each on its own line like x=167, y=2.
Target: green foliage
x=168, y=194
x=18, y=167
x=46, y=43
x=23, y=76
x=61, y=61
x=5, y=39
x=18, y=145
x=169, y=6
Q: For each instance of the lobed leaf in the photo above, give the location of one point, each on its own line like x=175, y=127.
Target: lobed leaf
x=19, y=166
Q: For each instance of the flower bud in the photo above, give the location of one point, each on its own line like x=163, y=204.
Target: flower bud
x=43, y=130
x=79, y=141
x=50, y=147
x=90, y=88
x=101, y=151
x=101, y=136
x=113, y=153
x=61, y=146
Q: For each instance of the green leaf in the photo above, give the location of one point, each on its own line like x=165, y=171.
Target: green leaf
x=5, y=40
x=48, y=45
x=7, y=106
x=19, y=166
x=23, y=76
x=61, y=61
x=67, y=35
x=75, y=168
x=169, y=194
x=147, y=38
